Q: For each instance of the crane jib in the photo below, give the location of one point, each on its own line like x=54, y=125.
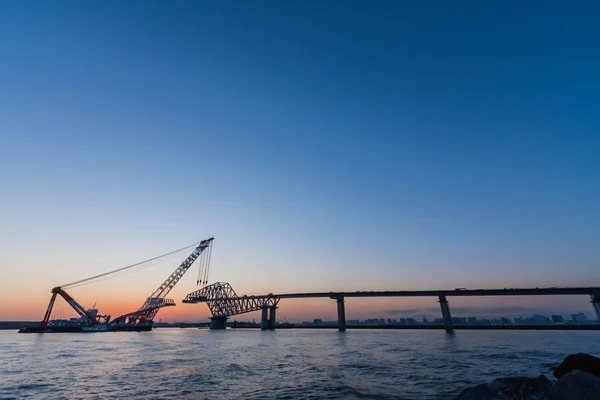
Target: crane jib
x=146, y=313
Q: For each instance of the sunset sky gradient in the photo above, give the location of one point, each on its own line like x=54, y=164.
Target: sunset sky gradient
x=325, y=145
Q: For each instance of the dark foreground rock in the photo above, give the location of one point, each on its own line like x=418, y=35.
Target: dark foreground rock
x=576, y=385
x=578, y=379
x=580, y=362
x=510, y=389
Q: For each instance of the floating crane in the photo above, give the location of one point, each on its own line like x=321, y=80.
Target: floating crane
x=91, y=314
x=88, y=321
x=140, y=320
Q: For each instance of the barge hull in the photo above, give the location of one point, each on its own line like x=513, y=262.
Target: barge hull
x=79, y=329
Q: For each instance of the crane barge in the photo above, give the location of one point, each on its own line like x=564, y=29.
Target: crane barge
x=88, y=321
x=141, y=320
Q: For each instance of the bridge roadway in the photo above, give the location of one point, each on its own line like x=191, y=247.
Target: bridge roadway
x=436, y=293
x=270, y=301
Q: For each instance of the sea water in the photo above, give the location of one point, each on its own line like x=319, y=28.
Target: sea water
x=173, y=363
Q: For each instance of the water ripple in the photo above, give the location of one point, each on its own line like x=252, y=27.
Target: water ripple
x=286, y=364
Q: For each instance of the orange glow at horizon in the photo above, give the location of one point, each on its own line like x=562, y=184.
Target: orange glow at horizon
x=292, y=310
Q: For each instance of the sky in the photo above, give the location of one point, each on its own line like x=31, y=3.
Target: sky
x=325, y=145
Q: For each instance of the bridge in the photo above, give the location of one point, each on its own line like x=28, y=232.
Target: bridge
x=223, y=302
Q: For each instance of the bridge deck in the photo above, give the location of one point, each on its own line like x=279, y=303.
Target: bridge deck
x=553, y=291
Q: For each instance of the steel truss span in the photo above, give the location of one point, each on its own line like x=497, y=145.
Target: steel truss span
x=222, y=300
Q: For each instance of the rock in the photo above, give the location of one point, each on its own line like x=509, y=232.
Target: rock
x=576, y=385
x=580, y=361
x=517, y=388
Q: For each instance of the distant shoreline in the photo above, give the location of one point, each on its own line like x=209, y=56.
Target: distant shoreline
x=455, y=327
x=15, y=325
x=4, y=325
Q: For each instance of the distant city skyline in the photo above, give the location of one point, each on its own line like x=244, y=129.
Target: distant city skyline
x=326, y=146
x=535, y=319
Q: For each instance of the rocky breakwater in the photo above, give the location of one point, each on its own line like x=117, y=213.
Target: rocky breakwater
x=578, y=378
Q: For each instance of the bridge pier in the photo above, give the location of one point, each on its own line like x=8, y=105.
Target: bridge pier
x=596, y=303
x=341, y=314
x=218, y=323
x=264, y=322
x=446, y=313
x=272, y=313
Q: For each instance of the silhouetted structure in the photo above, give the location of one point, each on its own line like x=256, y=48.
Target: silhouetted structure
x=223, y=302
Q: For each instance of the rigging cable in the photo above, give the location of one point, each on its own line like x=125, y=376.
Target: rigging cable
x=93, y=278
x=204, y=267
x=205, y=271
x=145, y=266
x=208, y=265
x=200, y=269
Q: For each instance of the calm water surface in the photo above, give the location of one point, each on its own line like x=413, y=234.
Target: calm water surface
x=286, y=364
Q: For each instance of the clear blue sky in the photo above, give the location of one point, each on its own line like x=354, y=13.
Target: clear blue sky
x=327, y=145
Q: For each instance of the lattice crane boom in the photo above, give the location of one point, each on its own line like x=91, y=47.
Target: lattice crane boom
x=148, y=310
x=172, y=280
x=164, y=289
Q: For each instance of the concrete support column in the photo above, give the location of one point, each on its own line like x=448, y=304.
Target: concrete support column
x=596, y=303
x=264, y=322
x=446, y=313
x=218, y=323
x=271, y=324
x=341, y=314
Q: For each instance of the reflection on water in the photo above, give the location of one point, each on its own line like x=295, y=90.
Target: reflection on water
x=286, y=364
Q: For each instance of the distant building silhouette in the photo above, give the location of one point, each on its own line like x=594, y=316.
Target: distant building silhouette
x=536, y=320
x=579, y=318
x=558, y=319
